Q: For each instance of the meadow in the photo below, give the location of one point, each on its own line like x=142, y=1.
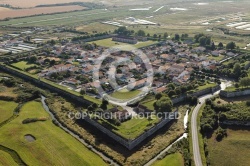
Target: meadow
x=52, y=146
x=6, y=159
x=6, y=110
x=171, y=160
x=125, y=95
x=234, y=148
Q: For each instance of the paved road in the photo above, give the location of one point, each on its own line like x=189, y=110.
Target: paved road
x=194, y=127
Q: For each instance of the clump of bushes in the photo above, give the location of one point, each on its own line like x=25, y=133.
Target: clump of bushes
x=220, y=134
x=32, y=120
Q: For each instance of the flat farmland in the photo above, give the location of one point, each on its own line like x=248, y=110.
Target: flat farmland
x=4, y=9
x=32, y=3
x=72, y=18
x=11, y=13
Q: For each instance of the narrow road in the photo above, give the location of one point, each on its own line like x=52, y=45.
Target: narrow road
x=194, y=127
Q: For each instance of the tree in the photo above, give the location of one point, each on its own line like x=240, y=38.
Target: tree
x=165, y=35
x=123, y=31
x=203, y=40
x=171, y=93
x=164, y=104
x=104, y=104
x=9, y=82
x=154, y=36
x=177, y=37
x=220, y=45
x=213, y=46
x=237, y=70
x=198, y=36
x=141, y=33
x=158, y=96
x=231, y=46
x=82, y=92
x=32, y=59
x=245, y=81
x=52, y=42
x=52, y=62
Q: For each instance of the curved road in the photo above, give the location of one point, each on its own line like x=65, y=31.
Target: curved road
x=194, y=127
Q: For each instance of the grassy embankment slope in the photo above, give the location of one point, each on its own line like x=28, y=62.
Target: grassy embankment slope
x=52, y=146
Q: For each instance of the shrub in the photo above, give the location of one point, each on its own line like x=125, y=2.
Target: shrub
x=32, y=120
x=248, y=103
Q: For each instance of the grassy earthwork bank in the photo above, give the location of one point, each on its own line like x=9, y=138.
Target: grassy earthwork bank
x=124, y=46
x=22, y=65
x=125, y=95
x=92, y=99
x=6, y=110
x=52, y=146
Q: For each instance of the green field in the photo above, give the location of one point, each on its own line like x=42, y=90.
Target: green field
x=149, y=104
x=52, y=146
x=125, y=95
x=22, y=65
x=134, y=127
x=72, y=18
x=210, y=85
x=6, y=110
x=6, y=159
x=232, y=150
x=123, y=46
x=170, y=160
x=217, y=58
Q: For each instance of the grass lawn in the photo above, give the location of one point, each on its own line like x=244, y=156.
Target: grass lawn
x=233, y=150
x=134, y=127
x=6, y=110
x=125, y=95
x=6, y=159
x=206, y=86
x=149, y=104
x=123, y=46
x=175, y=159
x=217, y=58
x=22, y=65
x=232, y=88
x=52, y=146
